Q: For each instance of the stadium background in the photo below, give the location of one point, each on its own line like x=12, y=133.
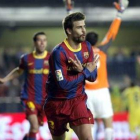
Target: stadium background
x=20, y=19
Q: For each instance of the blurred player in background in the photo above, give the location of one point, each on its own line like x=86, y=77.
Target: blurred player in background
x=69, y=5
x=35, y=68
x=71, y=63
x=131, y=99
x=99, y=100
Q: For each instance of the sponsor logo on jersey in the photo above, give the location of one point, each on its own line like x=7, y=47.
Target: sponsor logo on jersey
x=39, y=71
x=59, y=75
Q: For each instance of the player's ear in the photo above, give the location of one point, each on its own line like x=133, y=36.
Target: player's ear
x=68, y=31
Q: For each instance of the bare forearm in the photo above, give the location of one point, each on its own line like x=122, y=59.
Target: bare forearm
x=13, y=74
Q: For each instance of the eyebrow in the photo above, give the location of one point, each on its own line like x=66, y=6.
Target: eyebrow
x=81, y=25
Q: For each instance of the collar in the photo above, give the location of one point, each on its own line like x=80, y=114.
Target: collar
x=70, y=48
x=40, y=57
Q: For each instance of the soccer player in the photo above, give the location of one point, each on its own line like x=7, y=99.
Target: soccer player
x=131, y=98
x=68, y=5
x=99, y=100
x=35, y=68
x=71, y=63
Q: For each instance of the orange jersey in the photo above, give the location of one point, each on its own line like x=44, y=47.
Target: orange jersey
x=102, y=80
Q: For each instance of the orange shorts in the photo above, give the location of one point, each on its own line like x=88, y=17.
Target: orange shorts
x=32, y=108
x=73, y=111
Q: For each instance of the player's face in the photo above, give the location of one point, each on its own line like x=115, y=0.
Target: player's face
x=78, y=31
x=41, y=43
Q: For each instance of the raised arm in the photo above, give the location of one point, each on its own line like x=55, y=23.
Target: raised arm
x=69, y=5
x=115, y=25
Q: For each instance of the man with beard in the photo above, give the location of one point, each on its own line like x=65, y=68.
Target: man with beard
x=71, y=63
x=35, y=68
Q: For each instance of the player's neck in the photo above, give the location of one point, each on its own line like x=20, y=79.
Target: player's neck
x=73, y=44
x=39, y=53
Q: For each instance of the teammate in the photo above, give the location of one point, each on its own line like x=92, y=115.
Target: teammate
x=131, y=98
x=69, y=6
x=35, y=68
x=71, y=63
x=98, y=94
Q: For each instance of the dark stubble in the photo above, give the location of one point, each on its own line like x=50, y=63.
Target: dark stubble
x=78, y=39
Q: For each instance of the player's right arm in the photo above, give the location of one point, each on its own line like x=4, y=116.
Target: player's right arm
x=58, y=65
x=13, y=74
x=111, y=35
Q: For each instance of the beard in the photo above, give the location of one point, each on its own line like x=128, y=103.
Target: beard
x=79, y=39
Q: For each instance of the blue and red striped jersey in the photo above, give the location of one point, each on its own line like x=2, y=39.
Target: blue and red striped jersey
x=63, y=82
x=36, y=70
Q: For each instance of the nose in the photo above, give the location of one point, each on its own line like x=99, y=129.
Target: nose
x=84, y=30
x=42, y=42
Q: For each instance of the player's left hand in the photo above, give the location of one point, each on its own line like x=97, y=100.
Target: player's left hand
x=121, y=5
x=92, y=65
x=77, y=64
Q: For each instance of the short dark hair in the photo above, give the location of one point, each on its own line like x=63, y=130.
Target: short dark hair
x=68, y=21
x=37, y=34
x=92, y=38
